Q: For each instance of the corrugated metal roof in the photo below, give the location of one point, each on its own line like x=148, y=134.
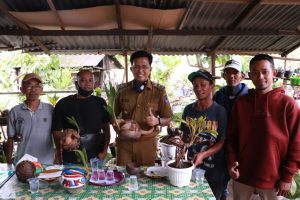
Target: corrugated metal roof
x=200, y=15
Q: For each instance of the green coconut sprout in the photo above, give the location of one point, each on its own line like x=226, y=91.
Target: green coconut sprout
x=111, y=94
x=82, y=156
x=73, y=122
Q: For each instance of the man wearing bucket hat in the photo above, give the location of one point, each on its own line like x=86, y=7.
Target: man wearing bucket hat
x=29, y=124
x=207, y=150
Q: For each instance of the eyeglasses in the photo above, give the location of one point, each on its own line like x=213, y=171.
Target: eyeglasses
x=29, y=87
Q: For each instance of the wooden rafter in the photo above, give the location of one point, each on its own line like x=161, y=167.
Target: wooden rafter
x=270, y=2
x=237, y=21
x=53, y=8
x=185, y=15
x=115, y=32
x=285, y=53
x=119, y=22
x=149, y=41
x=22, y=25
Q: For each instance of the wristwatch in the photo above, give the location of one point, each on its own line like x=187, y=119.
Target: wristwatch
x=159, y=122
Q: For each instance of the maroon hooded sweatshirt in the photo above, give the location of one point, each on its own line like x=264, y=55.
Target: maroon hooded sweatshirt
x=264, y=137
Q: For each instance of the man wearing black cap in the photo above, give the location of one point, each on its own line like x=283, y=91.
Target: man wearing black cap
x=146, y=103
x=207, y=150
x=29, y=124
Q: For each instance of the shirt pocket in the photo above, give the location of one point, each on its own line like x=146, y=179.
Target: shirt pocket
x=126, y=110
x=154, y=108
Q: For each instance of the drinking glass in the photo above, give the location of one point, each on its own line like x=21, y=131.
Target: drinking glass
x=109, y=178
x=94, y=164
x=101, y=175
x=133, y=183
x=199, y=175
x=33, y=185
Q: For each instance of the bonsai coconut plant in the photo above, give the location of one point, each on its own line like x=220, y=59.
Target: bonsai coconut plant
x=180, y=170
x=124, y=127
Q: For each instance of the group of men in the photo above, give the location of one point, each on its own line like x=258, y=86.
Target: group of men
x=258, y=140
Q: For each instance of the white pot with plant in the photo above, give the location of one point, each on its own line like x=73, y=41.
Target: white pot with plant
x=180, y=170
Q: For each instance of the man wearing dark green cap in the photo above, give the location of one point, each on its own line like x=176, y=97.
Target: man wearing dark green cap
x=207, y=151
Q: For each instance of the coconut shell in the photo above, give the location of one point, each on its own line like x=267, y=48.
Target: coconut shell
x=25, y=170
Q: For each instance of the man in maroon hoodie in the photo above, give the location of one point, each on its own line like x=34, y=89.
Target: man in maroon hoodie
x=263, y=139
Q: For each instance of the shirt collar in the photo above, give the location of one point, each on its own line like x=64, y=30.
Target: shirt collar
x=25, y=107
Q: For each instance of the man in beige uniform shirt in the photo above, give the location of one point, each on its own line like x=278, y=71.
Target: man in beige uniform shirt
x=145, y=102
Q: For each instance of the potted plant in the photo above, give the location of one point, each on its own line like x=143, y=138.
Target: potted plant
x=180, y=170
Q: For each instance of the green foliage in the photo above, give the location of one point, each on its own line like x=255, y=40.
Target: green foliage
x=60, y=79
x=2, y=157
x=98, y=91
x=82, y=156
x=111, y=94
x=73, y=122
x=46, y=66
x=163, y=74
x=53, y=99
x=295, y=189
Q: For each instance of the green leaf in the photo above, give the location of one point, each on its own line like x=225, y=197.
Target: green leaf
x=82, y=155
x=73, y=122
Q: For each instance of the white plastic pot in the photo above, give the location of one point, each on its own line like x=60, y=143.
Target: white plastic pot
x=180, y=177
x=168, y=151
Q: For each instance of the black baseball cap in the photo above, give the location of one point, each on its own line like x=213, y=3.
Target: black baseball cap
x=201, y=73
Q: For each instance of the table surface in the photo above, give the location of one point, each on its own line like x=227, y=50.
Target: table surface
x=158, y=189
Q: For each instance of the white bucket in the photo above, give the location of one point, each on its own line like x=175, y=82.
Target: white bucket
x=168, y=151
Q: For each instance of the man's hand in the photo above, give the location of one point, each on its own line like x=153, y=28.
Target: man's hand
x=198, y=159
x=151, y=120
x=102, y=155
x=71, y=140
x=283, y=188
x=234, y=171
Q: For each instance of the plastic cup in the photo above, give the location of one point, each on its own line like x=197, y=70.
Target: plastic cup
x=110, y=177
x=101, y=175
x=33, y=185
x=94, y=166
x=133, y=183
x=199, y=175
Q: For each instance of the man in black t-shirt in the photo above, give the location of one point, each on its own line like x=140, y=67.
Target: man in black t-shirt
x=91, y=116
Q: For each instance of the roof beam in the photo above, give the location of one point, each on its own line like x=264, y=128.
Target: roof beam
x=237, y=21
x=285, y=53
x=53, y=8
x=270, y=2
x=114, y=32
x=149, y=42
x=185, y=15
x=22, y=25
x=119, y=22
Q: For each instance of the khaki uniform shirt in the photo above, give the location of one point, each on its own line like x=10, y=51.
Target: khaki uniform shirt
x=134, y=105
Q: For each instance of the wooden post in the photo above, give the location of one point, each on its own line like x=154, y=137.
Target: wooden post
x=213, y=64
x=126, y=66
